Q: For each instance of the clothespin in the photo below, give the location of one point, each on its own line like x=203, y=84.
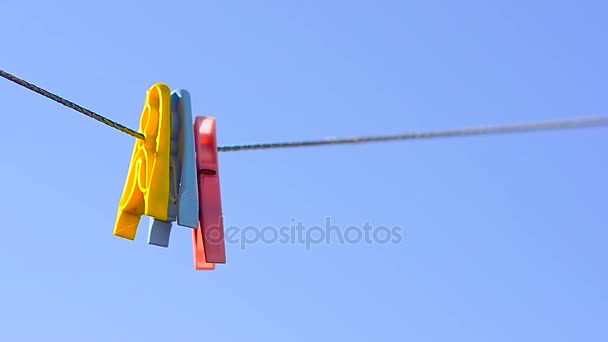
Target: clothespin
x=208, y=239
x=146, y=190
x=183, y=200
x=174, y=176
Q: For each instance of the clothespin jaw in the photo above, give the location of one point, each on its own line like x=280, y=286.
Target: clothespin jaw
x=146, y=190
x=208, y=239
x=183, y=199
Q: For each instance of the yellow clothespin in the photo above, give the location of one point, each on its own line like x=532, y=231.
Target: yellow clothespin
x=146, y=190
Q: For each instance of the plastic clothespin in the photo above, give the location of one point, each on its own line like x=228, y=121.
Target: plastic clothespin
x=183, y=199
x=208, y=239
x=146, y=190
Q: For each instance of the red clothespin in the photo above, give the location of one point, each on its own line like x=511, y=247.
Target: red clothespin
x=208, y=239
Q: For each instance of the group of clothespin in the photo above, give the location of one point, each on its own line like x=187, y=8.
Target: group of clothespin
x=174, y=177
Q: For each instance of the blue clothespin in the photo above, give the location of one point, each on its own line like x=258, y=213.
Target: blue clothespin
x=183, y=199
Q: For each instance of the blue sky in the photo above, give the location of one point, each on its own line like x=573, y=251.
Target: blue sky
x=503, y=237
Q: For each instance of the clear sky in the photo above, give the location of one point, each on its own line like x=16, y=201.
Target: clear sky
x=503, y=238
